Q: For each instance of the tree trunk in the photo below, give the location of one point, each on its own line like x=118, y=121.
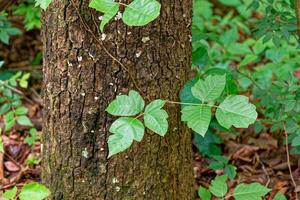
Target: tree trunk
x=81, y=79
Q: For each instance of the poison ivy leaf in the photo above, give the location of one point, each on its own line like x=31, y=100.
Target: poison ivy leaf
x=209, y=89
x=109, y=7
x=186, y=95
x=118, y=143
x=34, y=191
x=219, y=186
x=236, y=111
x=128, y=126
x=24, y=120
x=204, y=193
x=141, y=12
x=253, y=191
x=155, y=118
x=197, y=118
x=280, y=196
x=10, y=194
x=125, y=105
x=108, y=16
x=43, y=3
x=125, y=130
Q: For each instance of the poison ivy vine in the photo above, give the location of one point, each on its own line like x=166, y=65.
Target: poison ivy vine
x=137, y=13
x=234, y=110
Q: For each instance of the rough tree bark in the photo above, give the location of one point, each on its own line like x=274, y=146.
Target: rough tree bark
x=80, y=79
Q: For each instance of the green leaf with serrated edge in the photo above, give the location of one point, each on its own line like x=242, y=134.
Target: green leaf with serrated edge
x=24, y=120
x=10, y=194
x=197, y=118
x=219, y=186
x=204, y=193
x=155, y=118
x=210, y=88
x=236, y=111
x=109, y=7
x=118, y=143
x=125, y=105
x=141, y=12
x=43, y=3
x=128, y=126
x=34, y=191
x=280, y=196
x=253, y=191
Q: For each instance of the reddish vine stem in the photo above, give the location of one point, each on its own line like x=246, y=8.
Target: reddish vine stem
x=105, y=49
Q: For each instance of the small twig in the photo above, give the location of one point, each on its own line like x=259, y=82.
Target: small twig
x=288, y=160
x=16, y=91
x=264, y=169
x=1, y=165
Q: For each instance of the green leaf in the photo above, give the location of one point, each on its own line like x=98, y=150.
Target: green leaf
x=32, y=138
x=108, y=16
x=125, y=130
x=204, y=193
x=141, y=12
x=197, y=118
x=10, y=194
x=125, y=105
x=296, y=141
x=155, y=118
x=219, y=186
x=109, y=7
x=34, y=191
x=43, y=3
x=186, y=95
x=128, y=126
x=4, y=108
x=200, y=57
x=209, y=89
x=253, y=191
x=280, y=196
x=21, y=110
x=230, y=171
x=118, y=143
x=236, y=111
x=24, y=120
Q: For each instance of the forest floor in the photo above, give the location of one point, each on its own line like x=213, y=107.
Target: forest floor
x=258, y=157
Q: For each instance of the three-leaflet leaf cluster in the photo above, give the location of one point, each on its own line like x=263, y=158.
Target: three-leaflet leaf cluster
x=234, y=110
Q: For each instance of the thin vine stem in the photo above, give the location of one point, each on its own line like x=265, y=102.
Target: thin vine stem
x=191, y=104
x=288, y=159
x=105, y=49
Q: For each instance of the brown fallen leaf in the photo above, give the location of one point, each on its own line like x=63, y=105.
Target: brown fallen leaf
x=12, y=167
